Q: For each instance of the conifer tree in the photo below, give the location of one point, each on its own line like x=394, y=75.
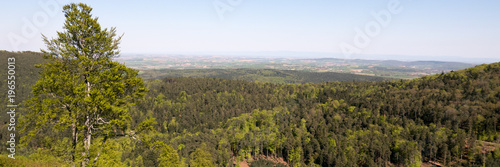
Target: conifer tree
x=81, y=89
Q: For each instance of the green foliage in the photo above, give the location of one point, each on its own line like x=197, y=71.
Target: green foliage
x=81, y=89
x=201, y=157
x=52, y=150
x=168, y=156
x=295, y=157
x=22, y=161
x=111, y=154
x=493, y=158
x=147, y=125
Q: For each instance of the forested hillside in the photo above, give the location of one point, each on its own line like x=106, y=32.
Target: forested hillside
x=261, y=75
x=26, y=74
x=447, y=119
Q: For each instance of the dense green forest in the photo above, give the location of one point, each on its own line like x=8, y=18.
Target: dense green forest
x=447, y=119
x=26, y=72
x=261, y=75
x=26, y=76
x=450, y=119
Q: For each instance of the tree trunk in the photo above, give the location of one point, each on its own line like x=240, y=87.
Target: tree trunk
x=74, y=140
x=445, y=157
x=87, y=136
x=87, y=129
x=74, y=136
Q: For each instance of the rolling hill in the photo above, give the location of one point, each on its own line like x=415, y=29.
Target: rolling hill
x=262, y=75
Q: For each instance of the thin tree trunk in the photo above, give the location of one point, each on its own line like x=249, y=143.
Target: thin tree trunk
x=445, y=157
x=74, y=141
x=87, y=131
x=74, y=137
x=87, y=141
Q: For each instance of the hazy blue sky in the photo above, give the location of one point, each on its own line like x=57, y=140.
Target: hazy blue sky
x=419, y=28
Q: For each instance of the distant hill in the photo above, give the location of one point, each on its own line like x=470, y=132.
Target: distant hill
x=262, y=75
x=436, y=65
x=26, y=72
x=382, y=68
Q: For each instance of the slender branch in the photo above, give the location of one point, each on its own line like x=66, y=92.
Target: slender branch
x=102, y=121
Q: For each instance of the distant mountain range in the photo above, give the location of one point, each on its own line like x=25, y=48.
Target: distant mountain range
x=383, y=68
x=316, y=55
